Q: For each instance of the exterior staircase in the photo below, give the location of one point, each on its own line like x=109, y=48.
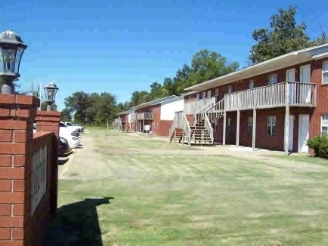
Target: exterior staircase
x=201, y=132
x=200, y=135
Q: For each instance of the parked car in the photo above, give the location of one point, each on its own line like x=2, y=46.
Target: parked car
x=80, y=127
x=34, y=127
x=70, y=124
x=73, y=141
x=64, y=128
x=63, y=146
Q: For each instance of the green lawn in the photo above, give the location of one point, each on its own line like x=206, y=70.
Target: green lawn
x=173, y=199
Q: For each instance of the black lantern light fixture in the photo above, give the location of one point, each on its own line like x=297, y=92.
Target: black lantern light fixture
x=11, y=51
x=50, y=92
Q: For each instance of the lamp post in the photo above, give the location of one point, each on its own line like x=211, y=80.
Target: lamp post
x=50, y=92
x=11, y=51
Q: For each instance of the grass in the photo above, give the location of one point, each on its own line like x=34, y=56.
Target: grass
x=196, y=199
x=303, y=158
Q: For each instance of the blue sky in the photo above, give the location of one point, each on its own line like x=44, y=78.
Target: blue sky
x=120, y=46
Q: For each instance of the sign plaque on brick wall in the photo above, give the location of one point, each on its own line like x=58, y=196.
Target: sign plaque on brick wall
x=39, y=177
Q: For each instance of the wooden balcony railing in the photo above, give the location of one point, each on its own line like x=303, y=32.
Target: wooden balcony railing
x=133, y=118
x=180, y=122
x=296, y=94
x=145, y=116
x=196, y=106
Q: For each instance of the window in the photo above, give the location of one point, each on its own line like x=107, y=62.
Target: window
x=272, y=79
x=271, y=126
x=250, y=125
x=325, y=72
x=189, y=98
x=324, y=124
x=197, y=96
x=204, y=95
x=216, y=92
x=62, y=124
x=229, y=89
x=251, y=84
x=209, y=92
x=228, y=125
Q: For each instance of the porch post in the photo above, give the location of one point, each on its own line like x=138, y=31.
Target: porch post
x=143, y=124
x=254, y=129
x=238, y=128
x=224, y=127
x=286, y=130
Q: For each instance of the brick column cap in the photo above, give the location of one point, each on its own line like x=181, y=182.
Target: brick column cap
x=49, y=116
x=19, y=100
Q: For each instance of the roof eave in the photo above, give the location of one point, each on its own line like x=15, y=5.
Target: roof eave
x=265, y=65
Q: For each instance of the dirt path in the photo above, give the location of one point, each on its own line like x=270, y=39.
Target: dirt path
x=84, y=163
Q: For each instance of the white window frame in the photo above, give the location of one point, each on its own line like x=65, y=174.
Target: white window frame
x=272, y=79
x=209, y=94
x=324, y=124
x=325, y=71
x=271, y=125
x=197, y=96
x=250, y=125
x=230, y=89
x=216, y=92
x=251, y=84
x=203, y=94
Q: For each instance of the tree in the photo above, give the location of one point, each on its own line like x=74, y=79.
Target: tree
x=34, y=90
x=65, y=116
x=45, y=104
x=283, y=36
x=156, y=90
x=208, y=65
x=139, y=97
x=92, y=108
x=79, y=101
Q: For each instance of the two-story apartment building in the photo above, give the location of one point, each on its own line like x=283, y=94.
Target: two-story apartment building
x=149, y=114
x=127, y=120
x=277, y=104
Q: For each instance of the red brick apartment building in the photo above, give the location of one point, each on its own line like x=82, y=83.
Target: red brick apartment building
x=127, y=121
x=157, y=114
x=277, y=104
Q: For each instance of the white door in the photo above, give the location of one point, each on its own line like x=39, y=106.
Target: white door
x=291, y=133
x=290, y=78
x=305, y=89
x=303, y=132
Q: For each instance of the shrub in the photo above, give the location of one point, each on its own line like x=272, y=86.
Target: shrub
x=320, y=145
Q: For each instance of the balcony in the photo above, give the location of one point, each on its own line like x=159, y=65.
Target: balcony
x=196, y=106
x=294, y=94
x=145, y=116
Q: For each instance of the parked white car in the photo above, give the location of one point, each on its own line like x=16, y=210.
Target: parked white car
x=71, y=125
x=81, y=128
x=66, y=133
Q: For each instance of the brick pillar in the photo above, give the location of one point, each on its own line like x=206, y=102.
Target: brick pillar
x=48, y=121
x=17, y=114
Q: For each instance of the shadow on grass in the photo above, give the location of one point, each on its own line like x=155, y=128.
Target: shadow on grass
x=76, y=224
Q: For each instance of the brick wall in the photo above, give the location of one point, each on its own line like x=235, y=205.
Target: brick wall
x=48, y=121
x=262, y=139
x=17, y=145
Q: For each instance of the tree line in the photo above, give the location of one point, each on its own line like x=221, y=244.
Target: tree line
x=283, y=35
